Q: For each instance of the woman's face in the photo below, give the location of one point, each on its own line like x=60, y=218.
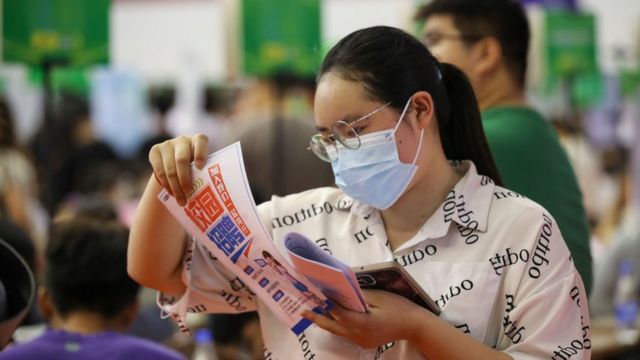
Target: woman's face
x=339, y=99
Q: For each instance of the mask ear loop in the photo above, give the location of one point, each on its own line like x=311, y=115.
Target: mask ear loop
x=419, y=147
x=415, y=158
x=404, y=111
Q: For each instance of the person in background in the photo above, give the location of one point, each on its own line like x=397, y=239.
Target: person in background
x=489, y=41
x=237, y=336
x=22, y=243
x=74, y=158
x=88, y=298
x=161, y=100
x=17, y=291
x=271, y=140
x=418, y=185
x=147, y=324
x=19, y=184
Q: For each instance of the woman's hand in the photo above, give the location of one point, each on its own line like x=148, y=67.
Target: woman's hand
x=171, y=162
x=391, y=317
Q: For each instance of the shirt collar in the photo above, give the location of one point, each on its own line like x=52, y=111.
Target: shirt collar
x=467, y=204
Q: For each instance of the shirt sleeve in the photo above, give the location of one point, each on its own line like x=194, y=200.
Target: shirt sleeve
x=545, y=314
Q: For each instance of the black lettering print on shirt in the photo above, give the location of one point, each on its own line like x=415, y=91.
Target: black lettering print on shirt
x=416, y=255
x=501, y=261
x=512, y=329
x=267, y=354
x=463, y=214
x=211, y=256
x=233, y=300
x=324, y=245
x=449, y=206
x=539, y=256
x=343, y=204
x=464, y=328
x=507, y=194
x=302, y=215
x=485, y=180
x=305, y=347
x=382, y=348
x=197, y=309
x=238, y=285
x=574, y=293
x=468, y=233
x=453, y=291
x=566, y=352
x=362, y=235
x=468, y=225
x=181, y=324
x=188, y=257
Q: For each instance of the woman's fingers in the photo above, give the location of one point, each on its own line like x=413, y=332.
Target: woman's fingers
x=200, y=149
x=171, y=162
x=183, y=156
x=325, y=322
x=155, y=159
x=171, y=173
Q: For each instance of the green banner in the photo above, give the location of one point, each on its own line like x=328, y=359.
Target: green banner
x=281, y=36
x=75, y=32
x=570, y=44
x=629, y=81
x=70, y=80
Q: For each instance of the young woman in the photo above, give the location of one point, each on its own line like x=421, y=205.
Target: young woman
x=404, y=138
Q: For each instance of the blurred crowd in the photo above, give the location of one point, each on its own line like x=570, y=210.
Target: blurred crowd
x=67, y=171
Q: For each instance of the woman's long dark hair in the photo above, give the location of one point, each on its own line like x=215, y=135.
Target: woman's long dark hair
x=392, y=65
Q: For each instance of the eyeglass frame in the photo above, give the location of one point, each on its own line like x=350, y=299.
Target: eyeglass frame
x=469, y=38
x=331, y=138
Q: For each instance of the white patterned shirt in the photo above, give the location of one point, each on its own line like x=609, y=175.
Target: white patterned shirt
x=493, y=260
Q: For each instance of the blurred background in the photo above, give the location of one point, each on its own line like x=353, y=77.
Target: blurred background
x=87, y=87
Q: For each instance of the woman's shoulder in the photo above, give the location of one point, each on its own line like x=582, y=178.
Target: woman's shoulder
x=508, y=205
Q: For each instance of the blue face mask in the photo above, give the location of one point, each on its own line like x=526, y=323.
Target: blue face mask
x=373, y=174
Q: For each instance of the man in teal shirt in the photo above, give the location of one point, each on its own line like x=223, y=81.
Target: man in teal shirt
x=489, y=40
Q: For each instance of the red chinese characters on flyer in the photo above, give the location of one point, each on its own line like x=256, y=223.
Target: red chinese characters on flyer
x=221, y=189
x=203, y=208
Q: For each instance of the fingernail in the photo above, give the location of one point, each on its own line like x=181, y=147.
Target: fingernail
x=199, y=163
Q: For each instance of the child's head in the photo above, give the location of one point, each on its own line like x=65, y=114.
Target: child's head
x=86, y=268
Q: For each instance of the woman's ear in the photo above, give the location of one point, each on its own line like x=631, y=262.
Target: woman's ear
x=422, y=103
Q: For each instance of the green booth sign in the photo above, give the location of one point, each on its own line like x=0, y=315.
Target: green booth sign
x=72, y=32
x=281, y=36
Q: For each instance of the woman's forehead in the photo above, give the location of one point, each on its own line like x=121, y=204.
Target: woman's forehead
x=337, y=98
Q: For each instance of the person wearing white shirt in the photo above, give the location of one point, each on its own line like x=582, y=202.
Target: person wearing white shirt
x=416, y=184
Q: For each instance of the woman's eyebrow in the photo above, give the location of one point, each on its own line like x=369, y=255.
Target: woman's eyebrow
x=347, y=119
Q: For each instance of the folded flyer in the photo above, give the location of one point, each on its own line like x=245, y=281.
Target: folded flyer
x=220, y=214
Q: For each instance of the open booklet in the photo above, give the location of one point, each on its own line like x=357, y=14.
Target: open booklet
x=343, y=284
x=221, y=215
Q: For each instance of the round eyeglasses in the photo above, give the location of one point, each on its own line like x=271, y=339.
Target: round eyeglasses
x=324, y=147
